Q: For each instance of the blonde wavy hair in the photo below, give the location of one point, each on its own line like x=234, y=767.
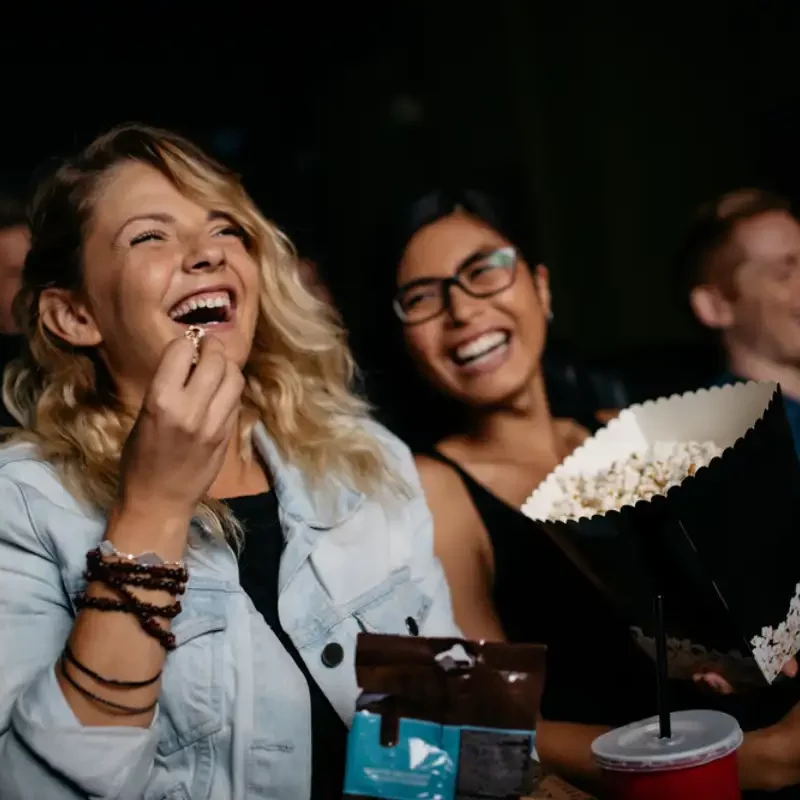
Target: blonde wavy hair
x=298, y=376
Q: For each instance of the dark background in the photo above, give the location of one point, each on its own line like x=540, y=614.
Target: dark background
x=603, y=125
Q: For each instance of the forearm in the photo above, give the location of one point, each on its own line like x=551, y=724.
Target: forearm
x=764, y=764
x=113, y=644
x=565, y=748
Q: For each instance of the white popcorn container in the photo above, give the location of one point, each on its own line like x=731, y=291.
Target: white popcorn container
x=723, y=546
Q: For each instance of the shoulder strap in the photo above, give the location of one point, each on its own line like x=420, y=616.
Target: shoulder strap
x=483, y=499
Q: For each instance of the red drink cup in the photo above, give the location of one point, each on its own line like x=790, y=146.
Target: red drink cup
x=697, y=763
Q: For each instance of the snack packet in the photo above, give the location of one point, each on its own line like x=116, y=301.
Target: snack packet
x=443, y=718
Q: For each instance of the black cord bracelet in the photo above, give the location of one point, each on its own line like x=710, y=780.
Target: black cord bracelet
x=70, y=656
x=128, y=710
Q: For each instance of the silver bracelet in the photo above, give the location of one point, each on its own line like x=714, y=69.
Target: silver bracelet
x=148, y=559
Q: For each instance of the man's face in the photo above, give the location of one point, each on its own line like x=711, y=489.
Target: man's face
x=14, y=245
x=760, y=311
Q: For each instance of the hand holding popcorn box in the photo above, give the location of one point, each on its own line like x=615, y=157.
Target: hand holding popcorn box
x=696, y=496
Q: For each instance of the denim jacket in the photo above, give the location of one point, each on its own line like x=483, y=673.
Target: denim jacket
x=233, y=716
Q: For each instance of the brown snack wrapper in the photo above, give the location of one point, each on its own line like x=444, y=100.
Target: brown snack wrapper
x=443, y=718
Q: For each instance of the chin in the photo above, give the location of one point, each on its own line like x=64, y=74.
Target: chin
x=496, y=395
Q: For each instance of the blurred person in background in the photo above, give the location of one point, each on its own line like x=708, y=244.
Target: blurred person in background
x=192, y=534
x=473, y=313
x=14, y=245
x=740, y=264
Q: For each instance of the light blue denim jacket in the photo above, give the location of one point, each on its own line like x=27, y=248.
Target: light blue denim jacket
x=233, y=717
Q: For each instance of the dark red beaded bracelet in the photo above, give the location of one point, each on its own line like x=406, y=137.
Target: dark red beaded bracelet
x=145, y=620
x=96, y=558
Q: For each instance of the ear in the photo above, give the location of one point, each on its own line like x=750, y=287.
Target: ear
x=541, y=280
x=711, y=307
x=68, y=318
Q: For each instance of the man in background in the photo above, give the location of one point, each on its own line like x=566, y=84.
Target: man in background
x=741, y=263
x=14, y=244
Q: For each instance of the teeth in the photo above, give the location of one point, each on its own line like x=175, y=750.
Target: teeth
x=212, y=300
x=480, y=346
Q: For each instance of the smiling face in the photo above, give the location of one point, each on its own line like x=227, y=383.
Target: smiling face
x=155, y=262
x=482, y=351
x=760, y=311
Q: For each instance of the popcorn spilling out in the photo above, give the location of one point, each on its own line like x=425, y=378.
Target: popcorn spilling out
x=640, y=477
x=775, y=646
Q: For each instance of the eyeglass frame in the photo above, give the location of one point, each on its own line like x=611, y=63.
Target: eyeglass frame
x=445, y=284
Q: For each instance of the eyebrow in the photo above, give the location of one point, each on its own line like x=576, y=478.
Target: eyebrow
x=164, y=218
x=477, y=255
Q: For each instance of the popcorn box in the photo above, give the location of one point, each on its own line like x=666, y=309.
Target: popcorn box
x=722, y=544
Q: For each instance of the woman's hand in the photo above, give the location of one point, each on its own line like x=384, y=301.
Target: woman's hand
x=178, y=444
x=783, y=740
x=720, y=684
x=769, y=758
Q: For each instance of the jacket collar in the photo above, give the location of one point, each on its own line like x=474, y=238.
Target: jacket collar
x=320, y=507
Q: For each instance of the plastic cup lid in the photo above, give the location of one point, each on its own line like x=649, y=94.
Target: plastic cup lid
x=698, y=737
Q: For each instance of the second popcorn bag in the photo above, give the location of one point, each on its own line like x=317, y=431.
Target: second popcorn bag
x=696, y=497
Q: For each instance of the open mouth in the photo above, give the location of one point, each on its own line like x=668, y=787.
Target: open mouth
x=205, y=309
x=481, y=347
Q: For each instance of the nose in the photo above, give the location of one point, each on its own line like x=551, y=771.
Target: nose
x=461, y=307
x=205, y=254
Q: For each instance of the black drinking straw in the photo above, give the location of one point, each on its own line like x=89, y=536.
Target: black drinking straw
x=664, y=722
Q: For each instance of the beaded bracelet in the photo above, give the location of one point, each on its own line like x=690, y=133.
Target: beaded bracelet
x=124, y=572
x=145, y=619
x=109, y=574
x=125, y=565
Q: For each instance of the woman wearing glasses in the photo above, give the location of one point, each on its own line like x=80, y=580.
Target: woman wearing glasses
x=474, y=314
x=474, y=317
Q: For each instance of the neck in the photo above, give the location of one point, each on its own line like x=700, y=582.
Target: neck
x=745, y=363
x=522, y=424
x=237, y=476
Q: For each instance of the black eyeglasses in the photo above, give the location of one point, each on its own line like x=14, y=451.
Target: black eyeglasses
x=482, y=275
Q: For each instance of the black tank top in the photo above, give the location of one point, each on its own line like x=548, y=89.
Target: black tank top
x=540, y=596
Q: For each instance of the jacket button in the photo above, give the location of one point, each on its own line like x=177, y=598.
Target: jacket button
x=332, y=655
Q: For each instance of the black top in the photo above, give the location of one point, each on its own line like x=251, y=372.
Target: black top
x=596, y=674
x=258, y=572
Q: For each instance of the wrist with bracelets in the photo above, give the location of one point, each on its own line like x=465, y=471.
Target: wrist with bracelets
x=120, y=572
